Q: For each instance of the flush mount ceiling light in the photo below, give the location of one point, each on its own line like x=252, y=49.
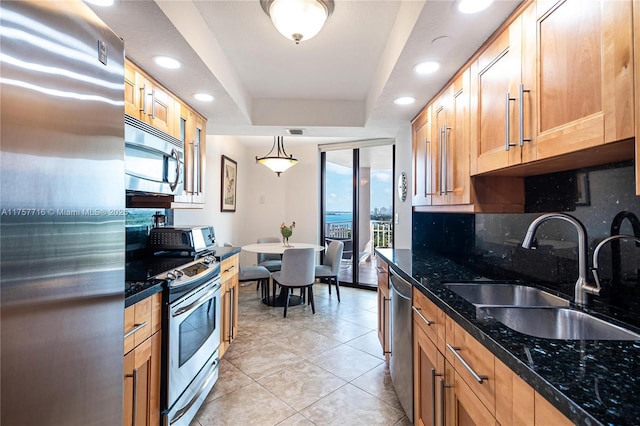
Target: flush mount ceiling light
x=427, y=67
x=166, y=62
x=103, y=3
x=473, y=6
x=204, y=97
x=279, y=162
x=405, y=100
x=298, y=20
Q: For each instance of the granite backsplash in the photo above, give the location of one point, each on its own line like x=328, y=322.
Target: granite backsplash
x=490, y=243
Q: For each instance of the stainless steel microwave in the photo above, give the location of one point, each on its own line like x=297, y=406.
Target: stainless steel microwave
x=154, y=160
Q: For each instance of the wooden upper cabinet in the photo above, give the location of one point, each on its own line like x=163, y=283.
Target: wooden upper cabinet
x=496, y=76
x=578, y=64
x=422, y=158
x=452, y=124
x=441, y=148
x=193, y=134
x=148, y=101
x=636, y=29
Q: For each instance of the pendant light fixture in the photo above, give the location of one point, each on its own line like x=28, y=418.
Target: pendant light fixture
x=298, y=20
x=279, y=162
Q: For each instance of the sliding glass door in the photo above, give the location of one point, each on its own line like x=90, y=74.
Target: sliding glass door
x=357, y=206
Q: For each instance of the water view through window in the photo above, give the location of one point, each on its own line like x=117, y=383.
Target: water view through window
x=374, y=207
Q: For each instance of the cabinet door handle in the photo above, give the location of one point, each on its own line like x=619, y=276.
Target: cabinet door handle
x=153, y=103
x=134, y=400
x=417, y=311
x=384, y=329
x=445, y=171
x=143, y=96
x=433, y=394
x=454, y=350
x=135, y=329
x=522, y=91
x=442, y=402
x=507, y=126
x=427, y=167
x=440, y=139
x=232, y=311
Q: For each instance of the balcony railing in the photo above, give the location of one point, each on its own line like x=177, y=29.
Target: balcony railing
x=380, y=231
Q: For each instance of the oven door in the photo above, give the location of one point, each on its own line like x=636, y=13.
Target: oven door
x=194, y=335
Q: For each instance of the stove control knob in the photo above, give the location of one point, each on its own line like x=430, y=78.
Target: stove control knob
x=171, y=275
x=178, y=273
x=208, y=260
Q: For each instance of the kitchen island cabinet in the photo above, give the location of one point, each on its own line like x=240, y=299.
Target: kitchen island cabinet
x=550, y=382
x=142, y=360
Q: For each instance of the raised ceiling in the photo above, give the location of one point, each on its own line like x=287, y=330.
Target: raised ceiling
x=340, y=85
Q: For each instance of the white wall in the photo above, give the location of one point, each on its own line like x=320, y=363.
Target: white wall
x=403, y=208
x=227, y=225
x=264, y=200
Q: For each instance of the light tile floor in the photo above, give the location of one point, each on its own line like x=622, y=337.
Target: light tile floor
x=322, y=369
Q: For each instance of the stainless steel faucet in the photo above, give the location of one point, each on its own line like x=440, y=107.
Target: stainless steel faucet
x=596, y=252
x=582, y=287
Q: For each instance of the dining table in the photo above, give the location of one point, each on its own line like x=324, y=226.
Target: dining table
x=279, y=248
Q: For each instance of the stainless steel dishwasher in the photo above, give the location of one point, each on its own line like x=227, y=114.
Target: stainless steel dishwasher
x=401, y=357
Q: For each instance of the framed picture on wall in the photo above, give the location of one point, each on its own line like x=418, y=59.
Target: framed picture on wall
x=228, y=184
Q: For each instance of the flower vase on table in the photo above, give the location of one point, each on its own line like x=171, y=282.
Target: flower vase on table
x=286, y=232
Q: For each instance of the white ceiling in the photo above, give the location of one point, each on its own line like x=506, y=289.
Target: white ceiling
x=338, y=86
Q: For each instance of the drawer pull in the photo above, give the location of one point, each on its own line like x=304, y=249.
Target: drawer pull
x=135, y=329
x=417, y=311
x=230, y=269
x=454, y=350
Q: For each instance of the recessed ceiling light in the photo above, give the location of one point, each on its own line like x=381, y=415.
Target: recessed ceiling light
x=405, y=100
x=473, y=6
x=100, y=2
x=427, y=67
x=167, y=62
x=203, y=97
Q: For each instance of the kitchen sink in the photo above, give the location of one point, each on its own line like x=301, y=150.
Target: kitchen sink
x=505, y=294
x=555, y=323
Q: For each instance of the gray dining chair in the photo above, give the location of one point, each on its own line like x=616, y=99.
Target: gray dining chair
x=298, y=267
x=259, y=274
x=331, y=265
x=272, y=262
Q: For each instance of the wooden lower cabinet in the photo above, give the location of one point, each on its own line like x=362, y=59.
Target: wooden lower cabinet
x=142, y=383
x=446, y=393
x=429, y=380
x=383, y=307
x=230, y=286
x=142, y=363
x=467, y=410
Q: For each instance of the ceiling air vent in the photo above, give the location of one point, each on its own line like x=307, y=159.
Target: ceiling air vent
x=295, y=132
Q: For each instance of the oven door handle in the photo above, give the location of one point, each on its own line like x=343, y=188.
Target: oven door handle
x=197, y=303
x=181, y=412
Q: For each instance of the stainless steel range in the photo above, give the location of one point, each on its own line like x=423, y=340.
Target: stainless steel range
x=192, y=337
x=184, y=259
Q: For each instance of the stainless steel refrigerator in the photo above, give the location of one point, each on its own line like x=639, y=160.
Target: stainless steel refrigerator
x=62, y=205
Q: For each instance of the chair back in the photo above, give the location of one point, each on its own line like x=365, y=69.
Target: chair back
x=333, y=256
x=298, y=267
x=262, y=257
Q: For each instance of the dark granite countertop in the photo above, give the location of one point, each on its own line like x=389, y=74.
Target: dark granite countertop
x=222, y=253
x=139, y=291
x=591, y=382
x=133, y=293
